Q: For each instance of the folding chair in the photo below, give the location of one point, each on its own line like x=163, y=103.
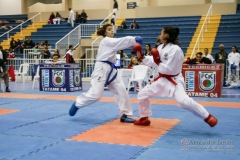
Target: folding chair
x=139, y=75
x=36, y=77
x=23, y=71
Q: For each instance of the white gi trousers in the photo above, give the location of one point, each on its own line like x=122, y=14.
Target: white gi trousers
x=117, y=87
x=164, y=88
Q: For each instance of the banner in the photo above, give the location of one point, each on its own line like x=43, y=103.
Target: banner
x=203, y=80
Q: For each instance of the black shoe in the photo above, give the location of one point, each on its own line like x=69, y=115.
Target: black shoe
x=126, y=119
x=8, y=90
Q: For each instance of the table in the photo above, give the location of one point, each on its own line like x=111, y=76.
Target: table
x=125, y=74
x=60, y=77
x=203, y=80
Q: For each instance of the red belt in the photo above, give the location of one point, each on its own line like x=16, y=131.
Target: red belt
x=168, y=77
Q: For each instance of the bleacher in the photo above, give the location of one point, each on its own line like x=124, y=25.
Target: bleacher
x=3, y=18
x=150, y=29
x=228, y=33
x=54, y=33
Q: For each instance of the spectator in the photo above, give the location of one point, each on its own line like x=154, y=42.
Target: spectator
x=115, y=9
x=57, y=19
x=233, y=68
x=133, y=62
x=55, y=60
x=113, y=23
x=3, y=71
x=56, y=53
x=134, y=25
x=11, y=54
x=52, y=16
x=28, y=44
x=19, y=47
x=71, y=17
x=123, y=25
x=13, y=43
x=147, y=50
x=123, y=56
x=77, y=18
x=46, y=53
x=83, y=17
x=199, y=59
x=221, y=57
x=69, y=55
x=208, y=55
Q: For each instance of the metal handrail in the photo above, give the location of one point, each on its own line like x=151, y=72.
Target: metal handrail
x=78, y=27
x=18, y=26
x=202, y=29
x=106, y=18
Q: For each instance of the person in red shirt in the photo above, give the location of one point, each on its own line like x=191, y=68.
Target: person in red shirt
x=69, y=55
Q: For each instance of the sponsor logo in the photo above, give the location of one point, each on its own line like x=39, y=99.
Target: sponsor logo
x=207, y=81
x=71, y=78
x=77, y=79
x=45, y=78
x=58, y=77
x=189, y=80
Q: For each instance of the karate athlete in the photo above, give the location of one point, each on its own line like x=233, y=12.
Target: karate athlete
x=233, y=68
x=105, y=74
x=168, y=59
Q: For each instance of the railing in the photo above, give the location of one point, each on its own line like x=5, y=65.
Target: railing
x=201, y=33
x=81, y=31
x=86, y=67
x=106, y=19
x=20, y=26
x=73, y=37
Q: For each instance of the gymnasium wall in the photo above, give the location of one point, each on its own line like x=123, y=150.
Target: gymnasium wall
x=99, y=9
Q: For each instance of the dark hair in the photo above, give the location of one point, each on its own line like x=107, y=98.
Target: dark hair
x=70, y=46
x=173, y=34
x=102, y=30
x=236, y=48
x=200, y=53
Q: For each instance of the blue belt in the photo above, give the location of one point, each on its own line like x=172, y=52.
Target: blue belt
x=108, y=80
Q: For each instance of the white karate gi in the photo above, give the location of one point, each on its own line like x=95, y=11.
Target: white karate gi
x=107, y=52
x=172, y=59
x=71, y=18
x=233, y=58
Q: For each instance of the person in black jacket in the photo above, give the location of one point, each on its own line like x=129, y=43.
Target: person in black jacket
x=3, y=71
x=221, y=57
x=83, y=17
x=199, y=59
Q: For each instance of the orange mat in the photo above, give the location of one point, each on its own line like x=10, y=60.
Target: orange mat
x=115, y=132
x=6, y=111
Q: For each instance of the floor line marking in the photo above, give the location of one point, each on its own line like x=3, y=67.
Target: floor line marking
x=111, y=99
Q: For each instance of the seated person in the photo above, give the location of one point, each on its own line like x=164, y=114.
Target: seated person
x=46, y=53
x=52, y=16
x=11, y=54
x=83, y=17
x=199, y=59
x=28, y=44
x=56, y=52
x=57, y=19
x=13, y=43
x=4, y=74
x=133, y=62
x=123, y=25
x=55, y=60
x=134, y=25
